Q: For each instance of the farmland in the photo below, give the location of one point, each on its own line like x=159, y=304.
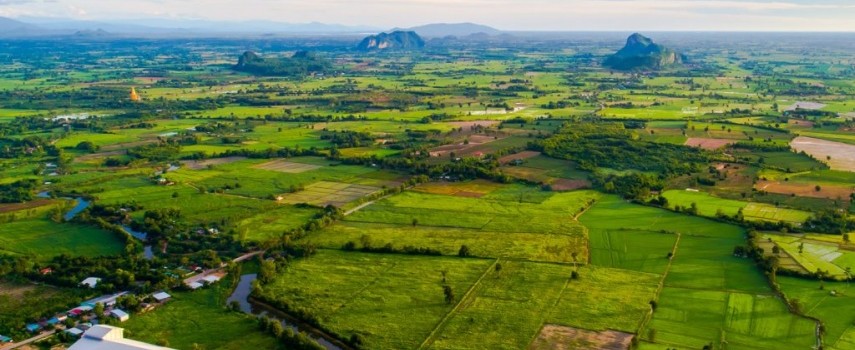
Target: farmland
x=497, y=192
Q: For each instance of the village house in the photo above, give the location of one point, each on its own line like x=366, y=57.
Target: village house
x=161, y=297
x=120, y=315
x=91, y=282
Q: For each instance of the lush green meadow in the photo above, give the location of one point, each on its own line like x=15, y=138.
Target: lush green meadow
x=709, y=296
x=199, y=318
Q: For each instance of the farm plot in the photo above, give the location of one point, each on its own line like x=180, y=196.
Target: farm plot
x=560, y=175
x=554, y=337
x=323, y=193
x=711, y=206
x=205, y=163
x=243, y=178
x=815, y=252
x=840, y=156
x=285, y=166
x=805, y=189
x=708, y=144
x=831, y=302
x=709, y=295
x=489, y=227
x=392, y=301
x=44, y=238
x=475, y=188
x=510, y=307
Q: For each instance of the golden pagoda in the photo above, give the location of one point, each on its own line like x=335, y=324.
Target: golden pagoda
x=135, y=96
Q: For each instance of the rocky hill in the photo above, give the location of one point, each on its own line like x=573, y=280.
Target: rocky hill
x=641, y=53
x=397, y=40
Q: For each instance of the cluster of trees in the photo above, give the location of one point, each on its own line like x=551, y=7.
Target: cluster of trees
x=156, y=152
x=347, y=138
x=300, y=64
x=19, y=191
x=287, y=336
x=611, y=145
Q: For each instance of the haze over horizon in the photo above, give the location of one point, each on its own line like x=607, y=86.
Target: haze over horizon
x=535, y=15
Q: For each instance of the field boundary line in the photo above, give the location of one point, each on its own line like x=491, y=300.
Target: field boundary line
x=431, y=337
x=647, y=318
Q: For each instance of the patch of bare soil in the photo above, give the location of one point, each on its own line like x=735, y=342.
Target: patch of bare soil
x=805, y=190
x=708, y=144
x=554, y=337
x=569, y=185
x=203, y=164
x=842, y=155
x=518, y=156
x=7, y=208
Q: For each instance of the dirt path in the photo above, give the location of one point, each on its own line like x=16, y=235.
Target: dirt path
x=38, y=337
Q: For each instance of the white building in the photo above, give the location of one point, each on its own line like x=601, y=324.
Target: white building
x=161, y=297
x=92, y=282
x=103, y=337
x=120, y=315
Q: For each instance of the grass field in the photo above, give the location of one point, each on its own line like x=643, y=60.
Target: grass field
x=709, y=295
x=509, y=307
x=836, y=311
x=199, y=318
x=34, y=234
x=490, y=227
x=709, y=205
x=393, y=301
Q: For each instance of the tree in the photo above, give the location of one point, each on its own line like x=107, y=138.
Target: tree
x=846, y=238
x=98, y=310
x=464, y=251
x=86, y=146
x=801, y=247
x=449, y=294
x=415, y=222
x=574, y=275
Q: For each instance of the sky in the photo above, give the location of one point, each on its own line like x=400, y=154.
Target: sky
x=562, y=15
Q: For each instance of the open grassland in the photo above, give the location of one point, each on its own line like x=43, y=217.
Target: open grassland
x=709, y=296
x=30, y=232
x=199, y=319
x=249, y=178
x=393, y=301
x=710, y=206
x=510, y=306
x=489, y=227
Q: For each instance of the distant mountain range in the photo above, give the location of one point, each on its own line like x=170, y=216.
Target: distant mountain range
x=38, y=26
x=439, y=30
x=41, y=26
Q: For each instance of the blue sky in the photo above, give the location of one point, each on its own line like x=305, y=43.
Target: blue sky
x=619, y=15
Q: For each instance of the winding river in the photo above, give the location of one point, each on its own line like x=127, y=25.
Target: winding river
x=241, y=295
